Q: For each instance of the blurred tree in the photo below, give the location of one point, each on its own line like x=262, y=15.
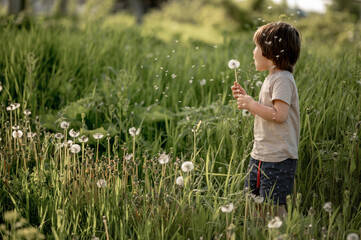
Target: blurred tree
x=16, y=6
x=258, y=5
x=351, y=6
x=60, y=7
x=138, y=7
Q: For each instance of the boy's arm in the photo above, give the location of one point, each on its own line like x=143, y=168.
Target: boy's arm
x=277, y=113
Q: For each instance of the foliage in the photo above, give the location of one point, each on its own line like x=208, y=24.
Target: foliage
x=106, y=79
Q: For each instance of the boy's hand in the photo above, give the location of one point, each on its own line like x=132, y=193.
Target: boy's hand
x=237, y=90
x=244, y=102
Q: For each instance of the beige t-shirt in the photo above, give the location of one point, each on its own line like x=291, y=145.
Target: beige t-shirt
x=275, y=142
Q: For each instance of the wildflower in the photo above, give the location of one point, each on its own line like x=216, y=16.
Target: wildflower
x=31, y=135
x=59, y=136
x=16, y=105
x=187, y=166
x=275, y=223
x=163, y=159
x=102, y=183
x=98, y=136
x=27, y=112
x=73, y=133
x=233, y=64
x=128, y=156
x=64, y=125
x=352, y=236
x=227, y=208
x=179, y=181
x=328, y=207
x=17, y=134
x=83, y=139
x=133, y=131
x=203, y=82
x=246, y=113
x=174, y=75
x=259, y=83
x=75, y=148
x=69, y=143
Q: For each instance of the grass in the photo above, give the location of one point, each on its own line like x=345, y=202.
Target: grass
x=106, y=80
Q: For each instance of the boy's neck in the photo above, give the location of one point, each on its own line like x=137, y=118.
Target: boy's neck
x=273, y=70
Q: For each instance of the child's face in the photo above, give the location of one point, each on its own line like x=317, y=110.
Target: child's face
x=261, y=62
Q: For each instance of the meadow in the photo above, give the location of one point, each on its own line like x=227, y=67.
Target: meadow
x=117, y=133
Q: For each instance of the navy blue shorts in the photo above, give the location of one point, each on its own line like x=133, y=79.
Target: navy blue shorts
x=275, y=179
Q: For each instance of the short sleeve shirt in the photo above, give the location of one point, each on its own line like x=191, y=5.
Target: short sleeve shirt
x=275, y=142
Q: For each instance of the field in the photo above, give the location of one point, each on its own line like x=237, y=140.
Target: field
x=74, y=166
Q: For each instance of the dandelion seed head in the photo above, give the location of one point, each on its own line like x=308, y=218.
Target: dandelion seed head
x=174, y=75
x=179, y=181
x=203, y=82
x=102, y=183
x=98, y=136
x=246, y=113
x=269, y=7
x=328, y=207
x=27, y=112
x=1, y=87
x=134, y=132
x=191, y=81
x=128, y=157
x=233, y=64
x=352, y=236
x=83, y=139
x=163, y=158
x=276, y=222
x=187, y=166
x=227, y=208
x=31, y=135
x=259, y=83
x=17, y=134
x=64, y=125
x=73, y=133
x=75, y=148
x=58, y=136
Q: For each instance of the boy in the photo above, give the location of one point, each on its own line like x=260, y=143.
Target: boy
x=277, y=119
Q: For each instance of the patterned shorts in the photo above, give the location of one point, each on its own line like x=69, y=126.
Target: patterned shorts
x=271, y=180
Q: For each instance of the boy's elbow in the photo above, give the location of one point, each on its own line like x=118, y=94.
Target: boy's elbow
x=281, y=119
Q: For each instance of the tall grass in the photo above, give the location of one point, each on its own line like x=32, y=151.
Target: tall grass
x=178, y=93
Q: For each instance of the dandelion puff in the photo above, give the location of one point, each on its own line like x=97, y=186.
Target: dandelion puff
x=16, y=127
x=31, y=135
x=163, y=159
x=246, y=113
x=64, y=125
x=179, y=181
x=27, y=112
x=269, y=7
x=174, y=75
x=17, y=134
x=227, y=208
x=69, y=143
x=275, y=223
x=1, y=87
x=98, y=136
x=128, y=157
x=259, y=83
x=258, y=199
x=352, y=236
x=73, y=133
x=233, y=64
x=16, y=105
x=102, y=183
x=133, y=131
x=203, y=82
x=94, y=238
x=75, y=148
x=59, y=136
x=187, y=166
x=83, y=139
x=328, y=207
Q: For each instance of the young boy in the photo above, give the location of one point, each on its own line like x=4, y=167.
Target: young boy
x=274, y=156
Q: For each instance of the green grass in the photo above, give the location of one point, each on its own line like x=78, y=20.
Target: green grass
x=108, y=80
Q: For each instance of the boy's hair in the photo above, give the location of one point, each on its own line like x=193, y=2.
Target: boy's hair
x=280, y=42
